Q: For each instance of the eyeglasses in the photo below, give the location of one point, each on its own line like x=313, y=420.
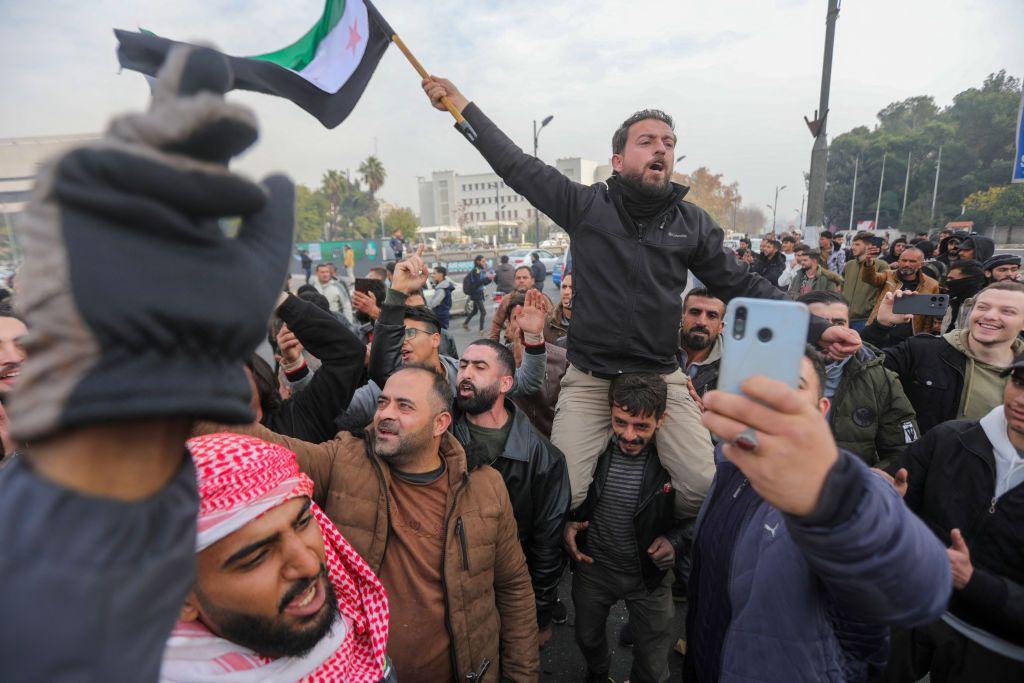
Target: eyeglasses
x=411, y=332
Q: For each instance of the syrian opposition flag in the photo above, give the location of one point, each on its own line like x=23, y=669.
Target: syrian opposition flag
x=324, y=71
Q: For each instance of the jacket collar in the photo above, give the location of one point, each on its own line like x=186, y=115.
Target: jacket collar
x=520, y=437
x=975, y=440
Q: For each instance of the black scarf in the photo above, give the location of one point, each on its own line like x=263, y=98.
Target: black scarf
x=639, y=202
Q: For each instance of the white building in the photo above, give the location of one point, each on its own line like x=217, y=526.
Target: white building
x=482, y=199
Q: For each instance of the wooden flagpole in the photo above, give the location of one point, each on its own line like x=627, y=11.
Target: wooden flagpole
x=461, y=124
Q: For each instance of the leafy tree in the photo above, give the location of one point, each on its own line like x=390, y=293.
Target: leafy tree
x=373, y=174
x=401, y=219
x=976, y=135
x=709, y=192
x=310, y=214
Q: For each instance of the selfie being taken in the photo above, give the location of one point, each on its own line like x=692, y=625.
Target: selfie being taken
x=695, y=352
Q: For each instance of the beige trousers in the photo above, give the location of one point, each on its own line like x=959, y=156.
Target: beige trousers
x=583, y=427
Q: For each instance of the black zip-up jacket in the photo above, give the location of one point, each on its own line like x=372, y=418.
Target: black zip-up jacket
x=932, y=374
x=952, y=483
x=635, y=272
x=538, y=484
x=655, y=513
x=770, y=268
x=309, y=415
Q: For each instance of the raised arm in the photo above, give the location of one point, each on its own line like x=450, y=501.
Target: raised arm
x=310, y=414
x=99, y=515
x=547, y=188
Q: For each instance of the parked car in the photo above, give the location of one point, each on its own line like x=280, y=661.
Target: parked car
x=521, y=257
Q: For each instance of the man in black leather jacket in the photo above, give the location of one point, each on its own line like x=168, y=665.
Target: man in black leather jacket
x=494, y=432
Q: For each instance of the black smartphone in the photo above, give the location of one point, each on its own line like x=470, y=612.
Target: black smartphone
x=922, y=304
x=373, y=287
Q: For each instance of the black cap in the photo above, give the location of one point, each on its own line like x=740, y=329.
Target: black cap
x=1002, y=260
x=1018, y=364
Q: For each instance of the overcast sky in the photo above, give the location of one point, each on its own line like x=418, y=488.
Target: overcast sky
x=738, y=75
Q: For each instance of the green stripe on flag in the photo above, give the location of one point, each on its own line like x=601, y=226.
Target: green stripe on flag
x=300, y=53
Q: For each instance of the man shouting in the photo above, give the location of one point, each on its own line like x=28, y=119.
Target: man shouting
x=634, y=230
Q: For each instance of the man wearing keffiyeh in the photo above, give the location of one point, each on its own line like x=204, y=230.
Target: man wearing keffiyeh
x=280, y=594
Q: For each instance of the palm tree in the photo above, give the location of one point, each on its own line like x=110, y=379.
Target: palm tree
x=373, y=174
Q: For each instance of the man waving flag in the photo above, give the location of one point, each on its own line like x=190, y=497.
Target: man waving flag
x=324, y=72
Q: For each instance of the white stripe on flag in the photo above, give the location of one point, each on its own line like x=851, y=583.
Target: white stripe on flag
x=338, y=54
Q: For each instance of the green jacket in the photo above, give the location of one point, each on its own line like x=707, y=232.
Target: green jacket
x=824, y=280
x=870, y=414
x=859, y=294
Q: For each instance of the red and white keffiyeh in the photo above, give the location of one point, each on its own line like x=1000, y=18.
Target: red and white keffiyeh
x=240, y=478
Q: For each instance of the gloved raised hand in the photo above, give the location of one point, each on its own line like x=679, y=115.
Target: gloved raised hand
x=138, y=304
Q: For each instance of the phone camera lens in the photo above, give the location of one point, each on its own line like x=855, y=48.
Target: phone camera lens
x=764, y=335
x=739, y=325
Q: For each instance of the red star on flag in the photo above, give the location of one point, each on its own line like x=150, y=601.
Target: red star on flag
x=353, y=37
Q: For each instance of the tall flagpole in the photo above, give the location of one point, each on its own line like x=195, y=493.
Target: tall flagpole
x=461, y=124
x=935, y=190
x=878, y=204
x=906, y=188
x=853, y=196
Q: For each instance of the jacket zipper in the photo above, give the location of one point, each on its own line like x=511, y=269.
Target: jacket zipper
x=460, y=530
x=387, y=500
x=444, y=579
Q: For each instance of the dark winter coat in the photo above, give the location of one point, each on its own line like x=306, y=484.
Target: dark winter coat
x=952, y=482
x=646, y=262
x=870, y=415
x=769, y=268
x=811, y=596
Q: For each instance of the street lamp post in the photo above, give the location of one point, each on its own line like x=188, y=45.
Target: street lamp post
x=536, y=216
x=778, y=189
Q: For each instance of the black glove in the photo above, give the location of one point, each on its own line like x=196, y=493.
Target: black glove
x=138, y=304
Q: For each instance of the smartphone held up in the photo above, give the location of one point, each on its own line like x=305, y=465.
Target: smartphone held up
x=763, y=337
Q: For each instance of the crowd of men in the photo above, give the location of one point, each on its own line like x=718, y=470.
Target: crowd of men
x=192, y=493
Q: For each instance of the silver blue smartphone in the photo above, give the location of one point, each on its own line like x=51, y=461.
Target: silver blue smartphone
x=763, y=337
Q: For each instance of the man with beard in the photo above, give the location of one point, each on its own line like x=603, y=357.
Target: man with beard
x=407, y=335
x=860, y=295
x=280, y=595
x=700, y=339
x=977, y=248
x=1002, y=267
x=636, y=231
x=811, y=277
x=625, y=536
x=440, y=535
x=522, y=283
x=904, y=275
x=831, y=258
x=770, y=263
x=494, y=432
x=12, y=355
x=557, y=328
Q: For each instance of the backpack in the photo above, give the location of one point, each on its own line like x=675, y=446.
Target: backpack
x=469, y=282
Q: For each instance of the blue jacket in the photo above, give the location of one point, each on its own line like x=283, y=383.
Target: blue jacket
x=811, y=598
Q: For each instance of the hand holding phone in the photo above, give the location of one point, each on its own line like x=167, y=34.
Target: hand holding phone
x=921, y=304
